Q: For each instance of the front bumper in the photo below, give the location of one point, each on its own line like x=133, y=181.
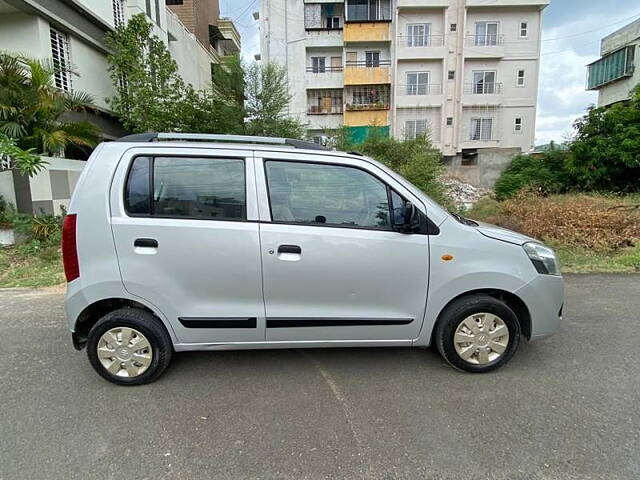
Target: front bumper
x=544, y=297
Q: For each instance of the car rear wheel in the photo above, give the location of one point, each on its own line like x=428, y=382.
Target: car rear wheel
x=477, y=333
x=129, y=347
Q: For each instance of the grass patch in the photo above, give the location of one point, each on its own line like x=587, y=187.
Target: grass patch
x=583, y=260
x=30, y=265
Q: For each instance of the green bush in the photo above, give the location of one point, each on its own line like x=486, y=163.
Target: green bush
x=545, y=174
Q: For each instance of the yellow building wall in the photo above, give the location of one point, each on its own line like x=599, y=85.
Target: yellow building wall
x=367, y=75
x=367, y=32
x=366, y=117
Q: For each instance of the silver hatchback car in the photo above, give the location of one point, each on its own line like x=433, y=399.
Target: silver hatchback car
x=178, y=242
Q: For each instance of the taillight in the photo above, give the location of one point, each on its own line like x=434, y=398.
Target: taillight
x=69, y=250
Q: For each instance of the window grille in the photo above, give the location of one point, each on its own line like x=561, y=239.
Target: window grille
x=611, y=67
x=61, y=57
x=374, y=97
x=118, y=13
x=481, y=129
x=413, y=128
x=417, y=83
x=324, y=101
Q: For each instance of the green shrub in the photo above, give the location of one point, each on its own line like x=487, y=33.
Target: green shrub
x=484, y=209
x=545, y=174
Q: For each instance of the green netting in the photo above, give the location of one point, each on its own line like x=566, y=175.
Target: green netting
x=609, y=68
x=360, y=134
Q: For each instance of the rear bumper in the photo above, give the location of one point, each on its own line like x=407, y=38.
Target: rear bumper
x=544, y=297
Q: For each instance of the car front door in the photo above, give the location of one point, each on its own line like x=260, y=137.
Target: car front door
x=334, y=268
x=185, y=231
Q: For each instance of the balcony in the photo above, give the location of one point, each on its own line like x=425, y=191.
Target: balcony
x=363, y=73
x=327, y=77
x=487, y=93
x=410, y=47
x=411, y=96
x=367, y=31
x=484, y=46
x=324, y=37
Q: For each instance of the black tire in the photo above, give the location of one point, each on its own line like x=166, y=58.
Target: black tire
x=461, y=309
x=147, y=324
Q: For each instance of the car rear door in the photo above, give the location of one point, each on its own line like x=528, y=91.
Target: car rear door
x=333, y=267
x=186, y=236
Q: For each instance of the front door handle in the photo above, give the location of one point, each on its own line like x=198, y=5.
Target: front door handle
x=290, y=249
x=146, y=242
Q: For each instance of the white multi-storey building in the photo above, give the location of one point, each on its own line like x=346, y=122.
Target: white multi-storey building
x=465, y=71
x=71, y=33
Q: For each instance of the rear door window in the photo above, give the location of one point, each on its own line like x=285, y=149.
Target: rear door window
x=187, y=187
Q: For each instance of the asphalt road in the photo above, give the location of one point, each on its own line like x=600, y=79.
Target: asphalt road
x=564, y=408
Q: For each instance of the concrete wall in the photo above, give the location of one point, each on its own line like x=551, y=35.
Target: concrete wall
x=491, y=163
x=47, y=192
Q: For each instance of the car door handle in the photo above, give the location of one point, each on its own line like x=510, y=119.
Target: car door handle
x=290, y=249
x=146, y=242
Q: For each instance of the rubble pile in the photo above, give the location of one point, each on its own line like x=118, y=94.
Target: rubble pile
x=463, y=194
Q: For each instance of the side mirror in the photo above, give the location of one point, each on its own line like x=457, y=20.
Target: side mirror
x=409, y=218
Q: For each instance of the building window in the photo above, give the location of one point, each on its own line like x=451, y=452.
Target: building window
x=368, y=10
x=524, y=29
x=372, y=59
x=417, y=83
x=174, y=2
x=414, y=128
x=118, y=13
x=333, y=22
x=520, y=78
x=449, y=121
x=418, y=34
x=318, y=64
x=324, y=101
x=61, y=56
x=336, y=64
x=486, y=34
x=517, y=125
x=451, y=75
x=484, y=83
x=481, y=129
x=453, y=27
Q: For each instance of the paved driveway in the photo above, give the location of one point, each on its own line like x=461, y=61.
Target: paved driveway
x=564, y=408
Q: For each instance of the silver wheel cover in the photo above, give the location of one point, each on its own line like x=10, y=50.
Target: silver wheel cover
x=481, y=338
x=124, y=352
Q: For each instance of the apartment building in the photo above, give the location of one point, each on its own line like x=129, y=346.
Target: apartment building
x=614, y=75
x=465, y=71
x=71, y=33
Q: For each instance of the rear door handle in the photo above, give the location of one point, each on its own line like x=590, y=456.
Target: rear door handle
x=290, y=249
x=146, y=242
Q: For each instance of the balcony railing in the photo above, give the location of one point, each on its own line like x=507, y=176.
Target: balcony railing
x=483, y=88
x=324, y=69
x=324, y=110
x=368, y=64
x=420, y=40
x=354, y=107
x=420, y=89
x=487, y=40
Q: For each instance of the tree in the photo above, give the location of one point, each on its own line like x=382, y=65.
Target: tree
x=605, y=154
x=150, y=95
x=32, y=112
x=414, y=159
x=267, y=101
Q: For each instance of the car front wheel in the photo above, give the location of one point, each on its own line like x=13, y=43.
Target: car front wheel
x=478, y=333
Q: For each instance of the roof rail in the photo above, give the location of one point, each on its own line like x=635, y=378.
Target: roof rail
x=152, y=137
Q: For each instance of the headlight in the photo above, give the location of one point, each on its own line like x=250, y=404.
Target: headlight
x=542, y=258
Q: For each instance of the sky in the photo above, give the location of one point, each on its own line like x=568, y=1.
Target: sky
x=571, y=35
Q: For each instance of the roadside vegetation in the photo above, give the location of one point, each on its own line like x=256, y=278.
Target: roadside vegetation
x=36, y=260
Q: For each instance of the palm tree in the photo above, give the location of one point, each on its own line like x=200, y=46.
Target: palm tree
x=32, y=108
